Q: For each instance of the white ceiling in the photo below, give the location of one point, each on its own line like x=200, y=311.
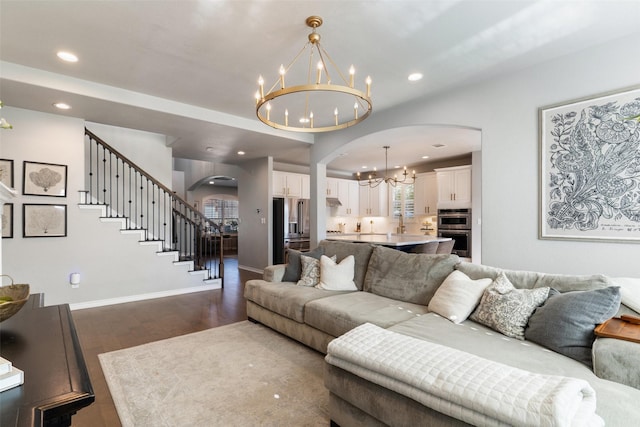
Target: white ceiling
x=188, y=69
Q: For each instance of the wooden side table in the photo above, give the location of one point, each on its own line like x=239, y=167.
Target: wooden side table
x=42, y=341
x=619, y=328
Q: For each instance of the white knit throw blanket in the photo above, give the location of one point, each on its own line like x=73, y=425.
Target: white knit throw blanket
x=464, y=386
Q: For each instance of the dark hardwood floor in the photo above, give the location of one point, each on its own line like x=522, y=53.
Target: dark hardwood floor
x=115, y=327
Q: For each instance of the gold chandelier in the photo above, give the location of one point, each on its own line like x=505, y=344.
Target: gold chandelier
x=373, y=180
x=318, y=104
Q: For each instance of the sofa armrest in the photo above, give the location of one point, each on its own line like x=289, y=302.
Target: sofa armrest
x=273, y=273
x=617, y=360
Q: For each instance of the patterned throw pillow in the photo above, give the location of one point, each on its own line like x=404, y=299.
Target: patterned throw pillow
x=310, y=275
x=507, y=309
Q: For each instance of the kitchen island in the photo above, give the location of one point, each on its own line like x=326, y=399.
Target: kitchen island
x=402, y=242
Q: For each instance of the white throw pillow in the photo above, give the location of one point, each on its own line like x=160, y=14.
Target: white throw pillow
x=337, y=277
x=630, y=291
x=458, y=296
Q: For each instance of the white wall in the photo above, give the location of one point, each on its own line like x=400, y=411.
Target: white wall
x=111, y=265
x=147, y=150
x=506, y=110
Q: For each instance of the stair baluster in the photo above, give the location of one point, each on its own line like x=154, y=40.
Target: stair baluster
x=146, y=204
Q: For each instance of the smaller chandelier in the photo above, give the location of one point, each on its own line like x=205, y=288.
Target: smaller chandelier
x=373, y=180
x=308, y=99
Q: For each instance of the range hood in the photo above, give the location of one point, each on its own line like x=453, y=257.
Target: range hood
x=333, y=202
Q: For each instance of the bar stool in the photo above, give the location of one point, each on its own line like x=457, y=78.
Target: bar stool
x=445, y=247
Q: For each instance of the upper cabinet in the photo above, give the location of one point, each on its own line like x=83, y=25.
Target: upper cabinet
x=373, y=201
x=349, y=196
x=332, y=187
x=286, y=184
x=346, y=191
x=426, y=194
x=454, y=187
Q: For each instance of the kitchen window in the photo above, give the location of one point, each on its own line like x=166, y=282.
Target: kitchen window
x=403, y=201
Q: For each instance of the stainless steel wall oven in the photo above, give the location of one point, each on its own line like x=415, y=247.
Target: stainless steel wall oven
x=456, y=224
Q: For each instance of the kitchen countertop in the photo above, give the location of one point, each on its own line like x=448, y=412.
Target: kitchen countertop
x=393, y=240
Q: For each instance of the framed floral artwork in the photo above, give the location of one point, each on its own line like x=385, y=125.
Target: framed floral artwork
x=7, y=221
x=44, y=179
x=590, y=168
x=6, y=172
x=43, y=220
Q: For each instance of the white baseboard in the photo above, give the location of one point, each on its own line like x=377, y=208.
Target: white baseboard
x=252, y=269
x=131, y=298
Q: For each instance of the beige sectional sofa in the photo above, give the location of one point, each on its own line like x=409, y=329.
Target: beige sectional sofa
x=394, y=292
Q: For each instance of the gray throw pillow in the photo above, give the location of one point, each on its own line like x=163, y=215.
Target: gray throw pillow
x=407, y=277
x=566, y=321
x=293, y=269
x=507, y=309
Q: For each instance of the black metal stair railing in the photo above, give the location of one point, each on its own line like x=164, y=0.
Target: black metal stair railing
x=145, y=204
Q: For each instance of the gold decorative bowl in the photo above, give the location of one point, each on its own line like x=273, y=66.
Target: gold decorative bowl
x=12, y=299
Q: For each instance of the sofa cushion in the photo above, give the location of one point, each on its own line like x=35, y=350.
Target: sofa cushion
x=616, y=403
x=294, y=265
x=338, y=314
x=360, y=251
x=407, y=277
x=458, y=296
x=530, y=279
x=285, y=298
x=507, y=309
x=337, y=276
x=565, y=322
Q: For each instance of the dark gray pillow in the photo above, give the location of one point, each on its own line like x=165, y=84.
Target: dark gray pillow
x=293, y=269
x=566, y=321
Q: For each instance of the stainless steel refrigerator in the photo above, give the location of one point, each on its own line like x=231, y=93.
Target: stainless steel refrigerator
x=290, y=227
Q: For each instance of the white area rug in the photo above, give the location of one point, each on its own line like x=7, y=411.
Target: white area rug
x=242, y=374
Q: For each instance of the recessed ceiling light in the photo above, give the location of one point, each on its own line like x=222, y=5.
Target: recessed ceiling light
x=364, y=167
x=241, y=153
x=211, y=182
x=414, y=77
x=62, y=106
x=397, y=166
x=67, y=56
x=209, y=149
x=425, y=157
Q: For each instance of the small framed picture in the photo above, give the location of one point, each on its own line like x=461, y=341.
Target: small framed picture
x=44, y=179
x=6, y=172
x=42, y=220
x=7, y=221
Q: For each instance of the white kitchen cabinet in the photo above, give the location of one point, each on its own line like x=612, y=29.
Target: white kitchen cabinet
x=349, y=196
x=454, y=187
x=332, y=187
x=373, y=201
x=286, y=184
x=426, y=194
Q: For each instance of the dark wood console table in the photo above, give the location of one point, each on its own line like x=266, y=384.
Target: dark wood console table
x=42, y=341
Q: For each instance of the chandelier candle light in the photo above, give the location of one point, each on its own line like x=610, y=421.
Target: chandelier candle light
x=373, y=181
x=331, y=102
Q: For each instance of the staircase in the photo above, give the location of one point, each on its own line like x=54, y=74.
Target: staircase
x=125, y=194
